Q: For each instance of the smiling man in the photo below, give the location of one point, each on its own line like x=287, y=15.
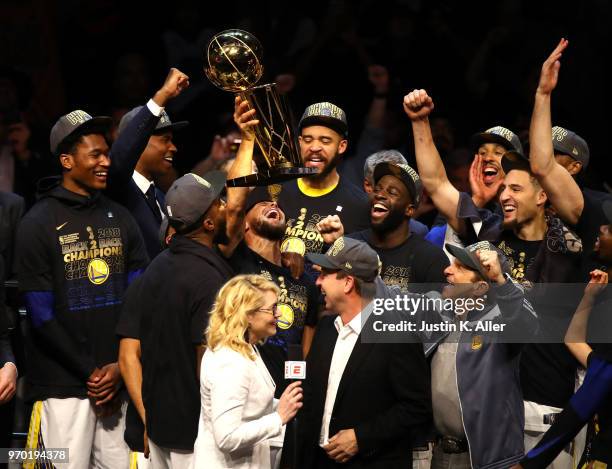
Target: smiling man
x=323, y=140
x=142, y=154
x=407, y=259
x=76, y=253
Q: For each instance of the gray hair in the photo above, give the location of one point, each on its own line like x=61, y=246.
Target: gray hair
x=383, y=156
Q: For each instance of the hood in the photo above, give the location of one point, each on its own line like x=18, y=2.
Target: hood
x=51, y=187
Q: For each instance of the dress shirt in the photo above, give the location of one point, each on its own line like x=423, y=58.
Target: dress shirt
x=143, y=184
x=348, y=334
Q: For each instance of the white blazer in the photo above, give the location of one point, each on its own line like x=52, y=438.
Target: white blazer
x=237, y=417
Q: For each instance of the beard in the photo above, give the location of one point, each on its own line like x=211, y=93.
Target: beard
x=270, y=231
x=221, y=235
x=327, y=169
x=393, y=219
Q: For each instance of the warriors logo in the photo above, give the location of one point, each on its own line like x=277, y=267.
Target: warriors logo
x=287, y=316
x=98, y=271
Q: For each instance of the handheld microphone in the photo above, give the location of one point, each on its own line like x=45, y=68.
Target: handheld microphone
x=295, y=366
x=295, y=369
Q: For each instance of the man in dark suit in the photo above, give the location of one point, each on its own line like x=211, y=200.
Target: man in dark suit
x=142, y=155
x=363, y=402
x=11, y=210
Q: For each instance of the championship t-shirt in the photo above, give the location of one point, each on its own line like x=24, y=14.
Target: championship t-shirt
x=298, y=303
x=305, y=208
x=519, y=252
x=77, y=254
x=413, y=262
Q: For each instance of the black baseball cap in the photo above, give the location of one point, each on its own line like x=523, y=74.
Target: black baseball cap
x=325, y=114
x=190, y=196
x=163, y=124
x=500, y=135
x=354, y=257
x=406, y=174
x=571, y=144
x=467, y=256
x=515, y=160
x=77, y=122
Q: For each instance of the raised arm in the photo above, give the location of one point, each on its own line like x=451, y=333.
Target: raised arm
x=418, y=105
x=242, y=166
x=575, y=337
x=559, y=185
x=132, y=141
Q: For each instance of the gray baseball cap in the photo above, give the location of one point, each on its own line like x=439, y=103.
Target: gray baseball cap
x=500, y=135
x=467, y=256
x=570, y=143
x=406, y=174
x=325, y=114
x=163, y=124
x=354, y=257
x=77, y=122
x=190, y=196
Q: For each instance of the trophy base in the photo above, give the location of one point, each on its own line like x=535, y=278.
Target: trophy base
x=270, y=176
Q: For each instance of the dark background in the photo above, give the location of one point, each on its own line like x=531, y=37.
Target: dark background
x=479, y=60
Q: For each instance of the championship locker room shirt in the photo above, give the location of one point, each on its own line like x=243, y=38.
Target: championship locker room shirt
x=412, y=266
x=298, y=300
x=304, y=208
x=75, y=258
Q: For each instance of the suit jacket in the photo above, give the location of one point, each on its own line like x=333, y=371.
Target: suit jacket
x=11, y=210
x=237, y=419
x=12, y=207
x=384, y=394
x=125, y=153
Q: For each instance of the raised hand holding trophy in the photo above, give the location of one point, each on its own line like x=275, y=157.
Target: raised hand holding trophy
x=234, y=64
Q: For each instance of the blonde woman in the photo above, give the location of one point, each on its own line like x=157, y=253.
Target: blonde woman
x=238, y=415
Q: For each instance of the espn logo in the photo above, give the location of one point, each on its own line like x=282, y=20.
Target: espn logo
x=295, y=370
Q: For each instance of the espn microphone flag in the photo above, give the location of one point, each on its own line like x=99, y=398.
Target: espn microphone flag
x=295, y=370
x=295, y=367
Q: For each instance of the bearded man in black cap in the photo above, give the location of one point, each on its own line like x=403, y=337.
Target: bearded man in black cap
x=323, y=140
x=407, y=260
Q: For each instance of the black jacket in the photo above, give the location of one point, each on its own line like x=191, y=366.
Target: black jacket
x=384, y=394
x=125, y=153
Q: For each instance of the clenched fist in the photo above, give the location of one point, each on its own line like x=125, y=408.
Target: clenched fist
x=175, y=83
x=418, y=105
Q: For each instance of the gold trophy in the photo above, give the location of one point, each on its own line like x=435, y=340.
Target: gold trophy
x=234, y=64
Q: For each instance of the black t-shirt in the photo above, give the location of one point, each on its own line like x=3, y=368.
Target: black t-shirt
x=519, y=252
x=75, y=257
x=587, y=228
x=176, y=294
x=547, y=374
x=547, y=370
x=129, y=327
x=415, y=261
x=304, y=211
x=298, y=303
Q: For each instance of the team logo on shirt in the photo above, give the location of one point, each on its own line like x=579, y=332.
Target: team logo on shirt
x=287, y=316
x=293, y=245
x=98, y=271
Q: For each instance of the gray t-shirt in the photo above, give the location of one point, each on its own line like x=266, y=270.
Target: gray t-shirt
x=444, y=391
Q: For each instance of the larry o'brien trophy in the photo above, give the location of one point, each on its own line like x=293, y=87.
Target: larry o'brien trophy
x=234, y=64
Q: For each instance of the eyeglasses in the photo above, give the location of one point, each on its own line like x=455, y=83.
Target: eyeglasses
x=273, y=310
